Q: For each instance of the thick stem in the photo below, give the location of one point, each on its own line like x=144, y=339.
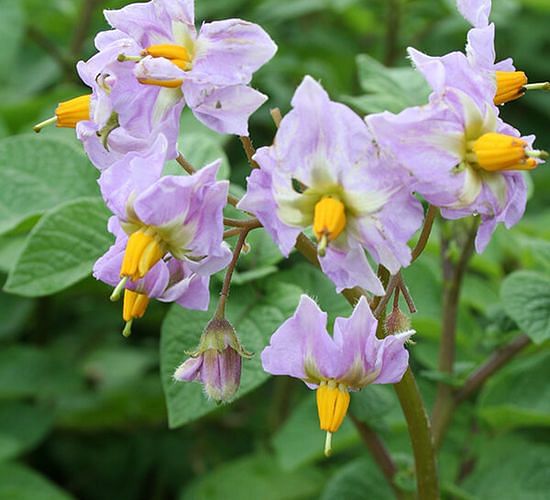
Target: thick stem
x=453, y=276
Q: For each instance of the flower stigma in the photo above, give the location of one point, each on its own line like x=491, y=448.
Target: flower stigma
x=332, y=405
x=329, y=221
x=495, y=152
x=68, y=113
x=143, y=251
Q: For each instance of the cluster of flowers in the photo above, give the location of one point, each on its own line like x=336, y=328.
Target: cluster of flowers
x=350, y=180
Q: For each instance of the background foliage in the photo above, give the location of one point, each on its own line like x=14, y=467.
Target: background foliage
x=84, y=412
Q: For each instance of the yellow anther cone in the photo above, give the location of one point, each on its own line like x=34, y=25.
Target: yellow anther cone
x=143, y=251
x=510, y=86
x=332, y=405
x=69, y=113
x=329, y=220
x=168, y=51
x=495, y=152
x=135, y=305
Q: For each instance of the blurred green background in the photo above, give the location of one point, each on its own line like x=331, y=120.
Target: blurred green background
x=85, y=413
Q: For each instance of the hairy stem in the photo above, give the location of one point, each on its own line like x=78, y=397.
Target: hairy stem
x=249, y=151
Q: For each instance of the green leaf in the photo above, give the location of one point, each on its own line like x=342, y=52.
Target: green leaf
x=511, y=468
x=526, y=297
x=12, y=28
x=518, y=396
x=22, y=426
x=358, y=480
x=300, y=441
x=61, y=248
x=37, y=175
x=255, y=477
x=254, y=316
x=388, y=89
x=21, y=483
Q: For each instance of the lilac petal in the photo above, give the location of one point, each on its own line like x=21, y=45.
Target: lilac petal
x=234, y=50
x=133, y=173
x=349, y=268
x=212, y=263
x=356, y=338
x=301, y=342
x=392, y=358
x=158, y=68
x=223, y=109
x=107, y=267
x=259, y=201
x=475, y=11
x=182, y=11
x=147, y=23
x=154, y=282
x=481, y=47
x=385, y=234
x=189, y=370
x=195, y=294
x=106, y=38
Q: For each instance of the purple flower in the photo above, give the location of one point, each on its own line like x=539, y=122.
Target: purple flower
x=185, y=282
x=126, y=116
x=463, y=157
x=350, y=360
x=476, y=73
x=323, y=171
x=217, y=362
x=211, y=69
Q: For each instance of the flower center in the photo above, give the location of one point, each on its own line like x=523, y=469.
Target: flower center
x=510, y=86
x=329, y=220
x=494, y=152
x=176, y=54
x=332, y=405
x=143, y=250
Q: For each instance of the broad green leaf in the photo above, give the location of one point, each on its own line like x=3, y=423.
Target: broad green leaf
x=300, y=441
x=22, y=426
x=526, y=297
x=12, y=28
x=255, y=477
x=255, y=317
x=518, y=396
x=388, y=89
x=10, y=248
x=36, y=175
x=511, y=468
x=358, y=480
x=61, y=248
x=18, y=482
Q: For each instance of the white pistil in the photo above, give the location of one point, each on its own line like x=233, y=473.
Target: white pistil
x=39, y=126
x=124, y=58
x=328, y=444
x=537, y=86
x=127, y=328
x=118, y=289
x=538, y=153
x=322, y=245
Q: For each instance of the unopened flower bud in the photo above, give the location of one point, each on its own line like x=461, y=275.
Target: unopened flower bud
x=217, y=362
x=397, y=322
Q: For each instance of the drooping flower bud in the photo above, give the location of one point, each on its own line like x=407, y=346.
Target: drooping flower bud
x=217, y=362
x=397, y=322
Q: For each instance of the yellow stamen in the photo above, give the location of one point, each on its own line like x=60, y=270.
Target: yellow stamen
x=168, y=51
x=169, y=84
x=143, y=250
x=510, y=86
x=332, y=406
x=329, y=220
x=135, y=305
x=496, y=152
x=69, y=113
